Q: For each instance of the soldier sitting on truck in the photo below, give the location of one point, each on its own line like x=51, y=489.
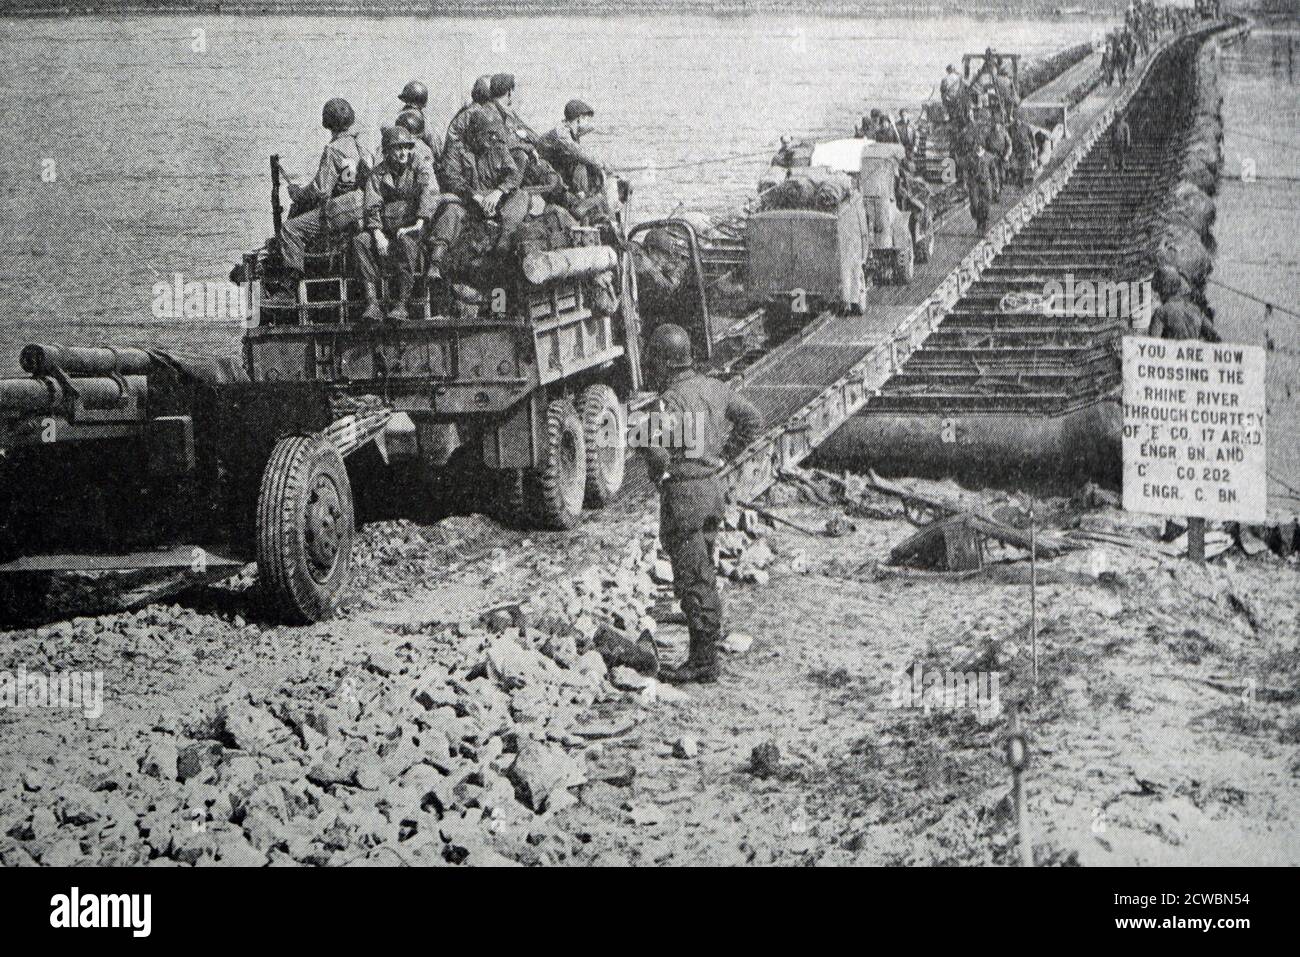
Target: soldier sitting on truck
x=400, y=199
x=332, y=201
x=583, y=173
x=413, y=122
x=415, y=97
x=453, y=168
x=495, y=179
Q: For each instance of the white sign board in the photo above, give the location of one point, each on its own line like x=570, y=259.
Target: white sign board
x=1194, y=429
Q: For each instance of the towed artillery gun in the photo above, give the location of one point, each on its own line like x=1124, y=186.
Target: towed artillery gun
x=124, y=459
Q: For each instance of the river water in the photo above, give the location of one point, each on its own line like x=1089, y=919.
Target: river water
x=1256, y=228
x=136, y=147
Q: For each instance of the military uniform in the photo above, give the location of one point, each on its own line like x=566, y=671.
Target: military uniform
x=396, y=197
x=331, y=202
x=1121, y=140
x=998, y=143
x=691, y=495
x=979, y=187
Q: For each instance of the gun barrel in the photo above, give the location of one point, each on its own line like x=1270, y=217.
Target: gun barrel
x=19, y=397
x=42, y=359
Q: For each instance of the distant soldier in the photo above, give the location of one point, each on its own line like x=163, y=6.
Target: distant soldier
x=415, y=96
x=979, y=187
x=583, y=173
x=1024, y=148
x=1108, y=62
x=691, y=494
x=400, y=199
x=1178, y=316
x=952, y=90
x=332, y=201
x=1121, y=141
x=964, y=149
x=906, y=131
x=998, y=144
x=1008, y=95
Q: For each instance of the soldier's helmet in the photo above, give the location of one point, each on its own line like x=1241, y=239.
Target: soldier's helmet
x=670, y=347
x=414, y=93
x=482, y=91
x=395, y=136
x=337, y=115
x=576, y=108
x=412, y=120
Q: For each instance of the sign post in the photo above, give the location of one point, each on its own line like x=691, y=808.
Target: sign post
x=1194, y=432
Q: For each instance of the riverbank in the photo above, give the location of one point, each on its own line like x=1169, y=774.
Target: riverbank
x=402, y=8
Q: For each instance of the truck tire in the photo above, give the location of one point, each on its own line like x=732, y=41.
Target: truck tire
x=559, y=483
x=602, y=419
x=305, y=525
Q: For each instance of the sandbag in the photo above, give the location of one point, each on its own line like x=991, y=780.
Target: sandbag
x=1179, y=246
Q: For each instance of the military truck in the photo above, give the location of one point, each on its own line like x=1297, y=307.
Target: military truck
x=121, y=459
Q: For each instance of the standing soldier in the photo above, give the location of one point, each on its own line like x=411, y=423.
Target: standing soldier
x=1177, y=316
x=1026, y=152
x=979, y=186
x=906, y=131
x=952, y=91
x=416, y=97
x=691, y=493
x=1121, y=140
x=998, y=144
x=400, y=198
x=332, y=202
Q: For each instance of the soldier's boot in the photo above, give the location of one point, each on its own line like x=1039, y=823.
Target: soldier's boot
x=701, y=665
x=398, y=313
x=374, y=313
x=437, y=250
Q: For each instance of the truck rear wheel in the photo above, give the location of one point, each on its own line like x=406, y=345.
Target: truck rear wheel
x=603, y=433
x=559, y=483
x=305, y=525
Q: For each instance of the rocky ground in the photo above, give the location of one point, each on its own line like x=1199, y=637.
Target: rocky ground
x=460, y=710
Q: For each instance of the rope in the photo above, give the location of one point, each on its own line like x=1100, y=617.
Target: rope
x=1254, y=298
x=703, y=162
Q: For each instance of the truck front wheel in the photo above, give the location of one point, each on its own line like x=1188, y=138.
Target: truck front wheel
x=559, y=483
x=305, y=525
x=603, y=431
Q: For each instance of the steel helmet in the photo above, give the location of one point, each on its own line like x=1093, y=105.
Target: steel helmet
x=395, y=136
x=576, y=108
x=414, y=93
x=412, y=120
x=670, y=346
x=337, y=115
x=482, y=91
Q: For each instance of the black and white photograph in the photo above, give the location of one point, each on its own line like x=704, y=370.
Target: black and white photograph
x=650, y=433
